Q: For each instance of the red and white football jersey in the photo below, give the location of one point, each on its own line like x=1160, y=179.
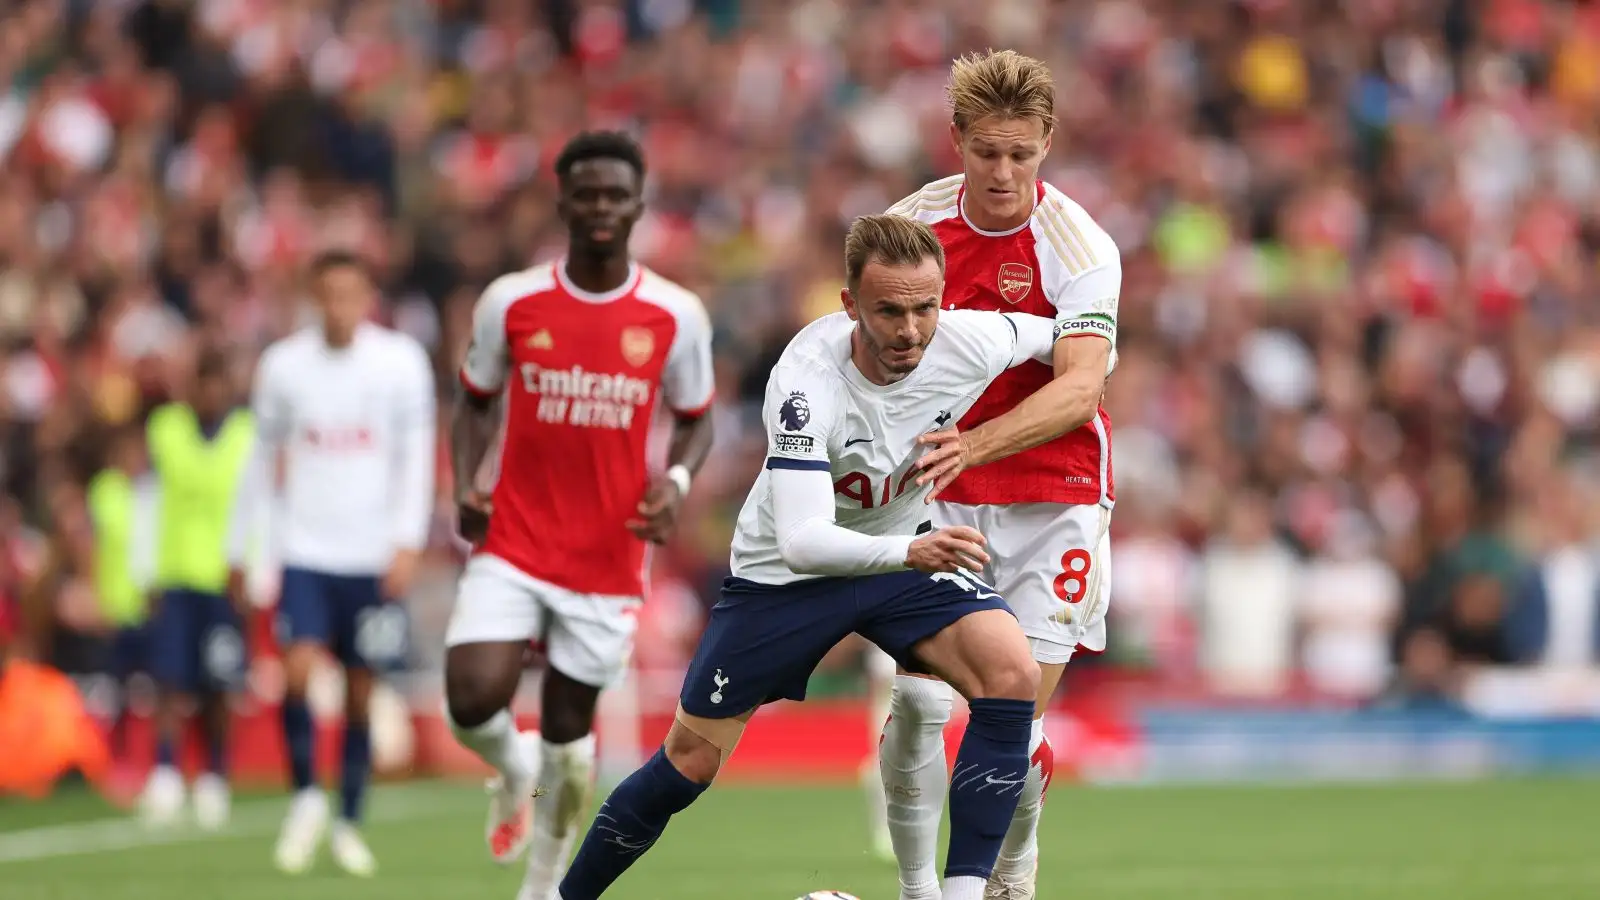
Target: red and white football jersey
x=582, y=374
x=1058, y=264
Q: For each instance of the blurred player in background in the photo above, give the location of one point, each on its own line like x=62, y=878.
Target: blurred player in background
x=198, y=450
x=580, y=351
x=1045, y=493
x=122, y=508
x=346, y=411
x=833, y=539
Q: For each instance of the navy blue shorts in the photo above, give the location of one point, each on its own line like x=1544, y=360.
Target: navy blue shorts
x=763, y=641
x=347, y=614
x=197, y=643
x=130, y=651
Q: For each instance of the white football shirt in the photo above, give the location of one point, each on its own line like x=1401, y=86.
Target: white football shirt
x=356, y=429
x=835, y=434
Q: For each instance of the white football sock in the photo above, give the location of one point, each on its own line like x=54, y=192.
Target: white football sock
x=964, y=887
x=496, y=743
x=567, y=772
x=1021, y=847
x=915, y=778
x=872, y=770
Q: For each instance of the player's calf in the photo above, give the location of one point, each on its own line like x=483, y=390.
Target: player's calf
x=911, y=757
x=299, y=732
x=566, y=772
x=1015, y=872
x=985, y=787
x=633, y=818
x=480, y=680
x=986, y=657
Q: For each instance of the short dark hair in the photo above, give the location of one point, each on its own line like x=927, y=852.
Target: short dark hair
x=336, y=258
x=600, y=145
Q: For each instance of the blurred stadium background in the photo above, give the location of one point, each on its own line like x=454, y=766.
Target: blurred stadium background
x=1356, y=415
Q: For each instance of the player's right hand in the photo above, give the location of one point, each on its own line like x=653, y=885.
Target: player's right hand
x=473, y=510
x=238, y=590
x=949, y=550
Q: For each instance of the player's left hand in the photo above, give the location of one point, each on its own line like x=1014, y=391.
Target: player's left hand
x=657, y=511
x=402, y=572
x=944, y=462
x=239, y=590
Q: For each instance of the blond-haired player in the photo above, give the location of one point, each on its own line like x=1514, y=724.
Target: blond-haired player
x=1044, y=494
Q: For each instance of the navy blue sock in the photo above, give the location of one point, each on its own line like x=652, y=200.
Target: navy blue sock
x=301, y=738
x=987, y=783
x=357, y=768
x=216, y=756
x=166, y=752
x=628, y=823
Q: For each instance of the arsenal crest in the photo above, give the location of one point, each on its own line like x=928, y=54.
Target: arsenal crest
x=1016, y=280
x=638, y=345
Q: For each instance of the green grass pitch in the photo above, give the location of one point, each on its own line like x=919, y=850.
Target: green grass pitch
x=1504, y=839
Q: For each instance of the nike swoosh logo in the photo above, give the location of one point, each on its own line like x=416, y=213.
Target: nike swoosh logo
x=865, y=440
x=1006, y=781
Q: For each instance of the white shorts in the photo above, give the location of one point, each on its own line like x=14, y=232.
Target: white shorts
x=1043, y=557
x=587, y=637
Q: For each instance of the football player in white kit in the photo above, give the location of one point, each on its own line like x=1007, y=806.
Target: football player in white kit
x=834, y=539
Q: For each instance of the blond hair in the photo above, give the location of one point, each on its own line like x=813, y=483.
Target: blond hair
x=1003, y=84
x=889, y=241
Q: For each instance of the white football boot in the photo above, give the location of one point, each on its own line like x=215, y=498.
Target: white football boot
x=213, y=801
x=1006, y=886
x=302, y=831
x=162, y=800
x=350, y=850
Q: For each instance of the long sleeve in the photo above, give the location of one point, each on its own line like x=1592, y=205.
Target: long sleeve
x=810, y=542
x=255, y=491
x=143, y=541
x=416, y=443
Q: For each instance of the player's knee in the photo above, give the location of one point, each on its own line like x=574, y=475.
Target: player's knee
x=470, y=703
x=357, y=694
x=567, y=707
x=696, y=758
x=469, y=709
x=563, y=724
x=1014, y=678
x=479, y=685
x=920, y=700
x=298, y=663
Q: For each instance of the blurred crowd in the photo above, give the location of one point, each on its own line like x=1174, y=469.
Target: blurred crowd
x=1356, y=410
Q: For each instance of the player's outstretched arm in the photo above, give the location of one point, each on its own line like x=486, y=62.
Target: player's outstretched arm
x=1084, y=337
x=1065, y=404
x=812, y=543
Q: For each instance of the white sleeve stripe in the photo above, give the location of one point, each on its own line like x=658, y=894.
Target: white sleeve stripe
x=695, y=412
x=931, y=198
x=1075, y=254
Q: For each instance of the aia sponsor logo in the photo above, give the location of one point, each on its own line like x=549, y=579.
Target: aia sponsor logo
x=347, y=439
